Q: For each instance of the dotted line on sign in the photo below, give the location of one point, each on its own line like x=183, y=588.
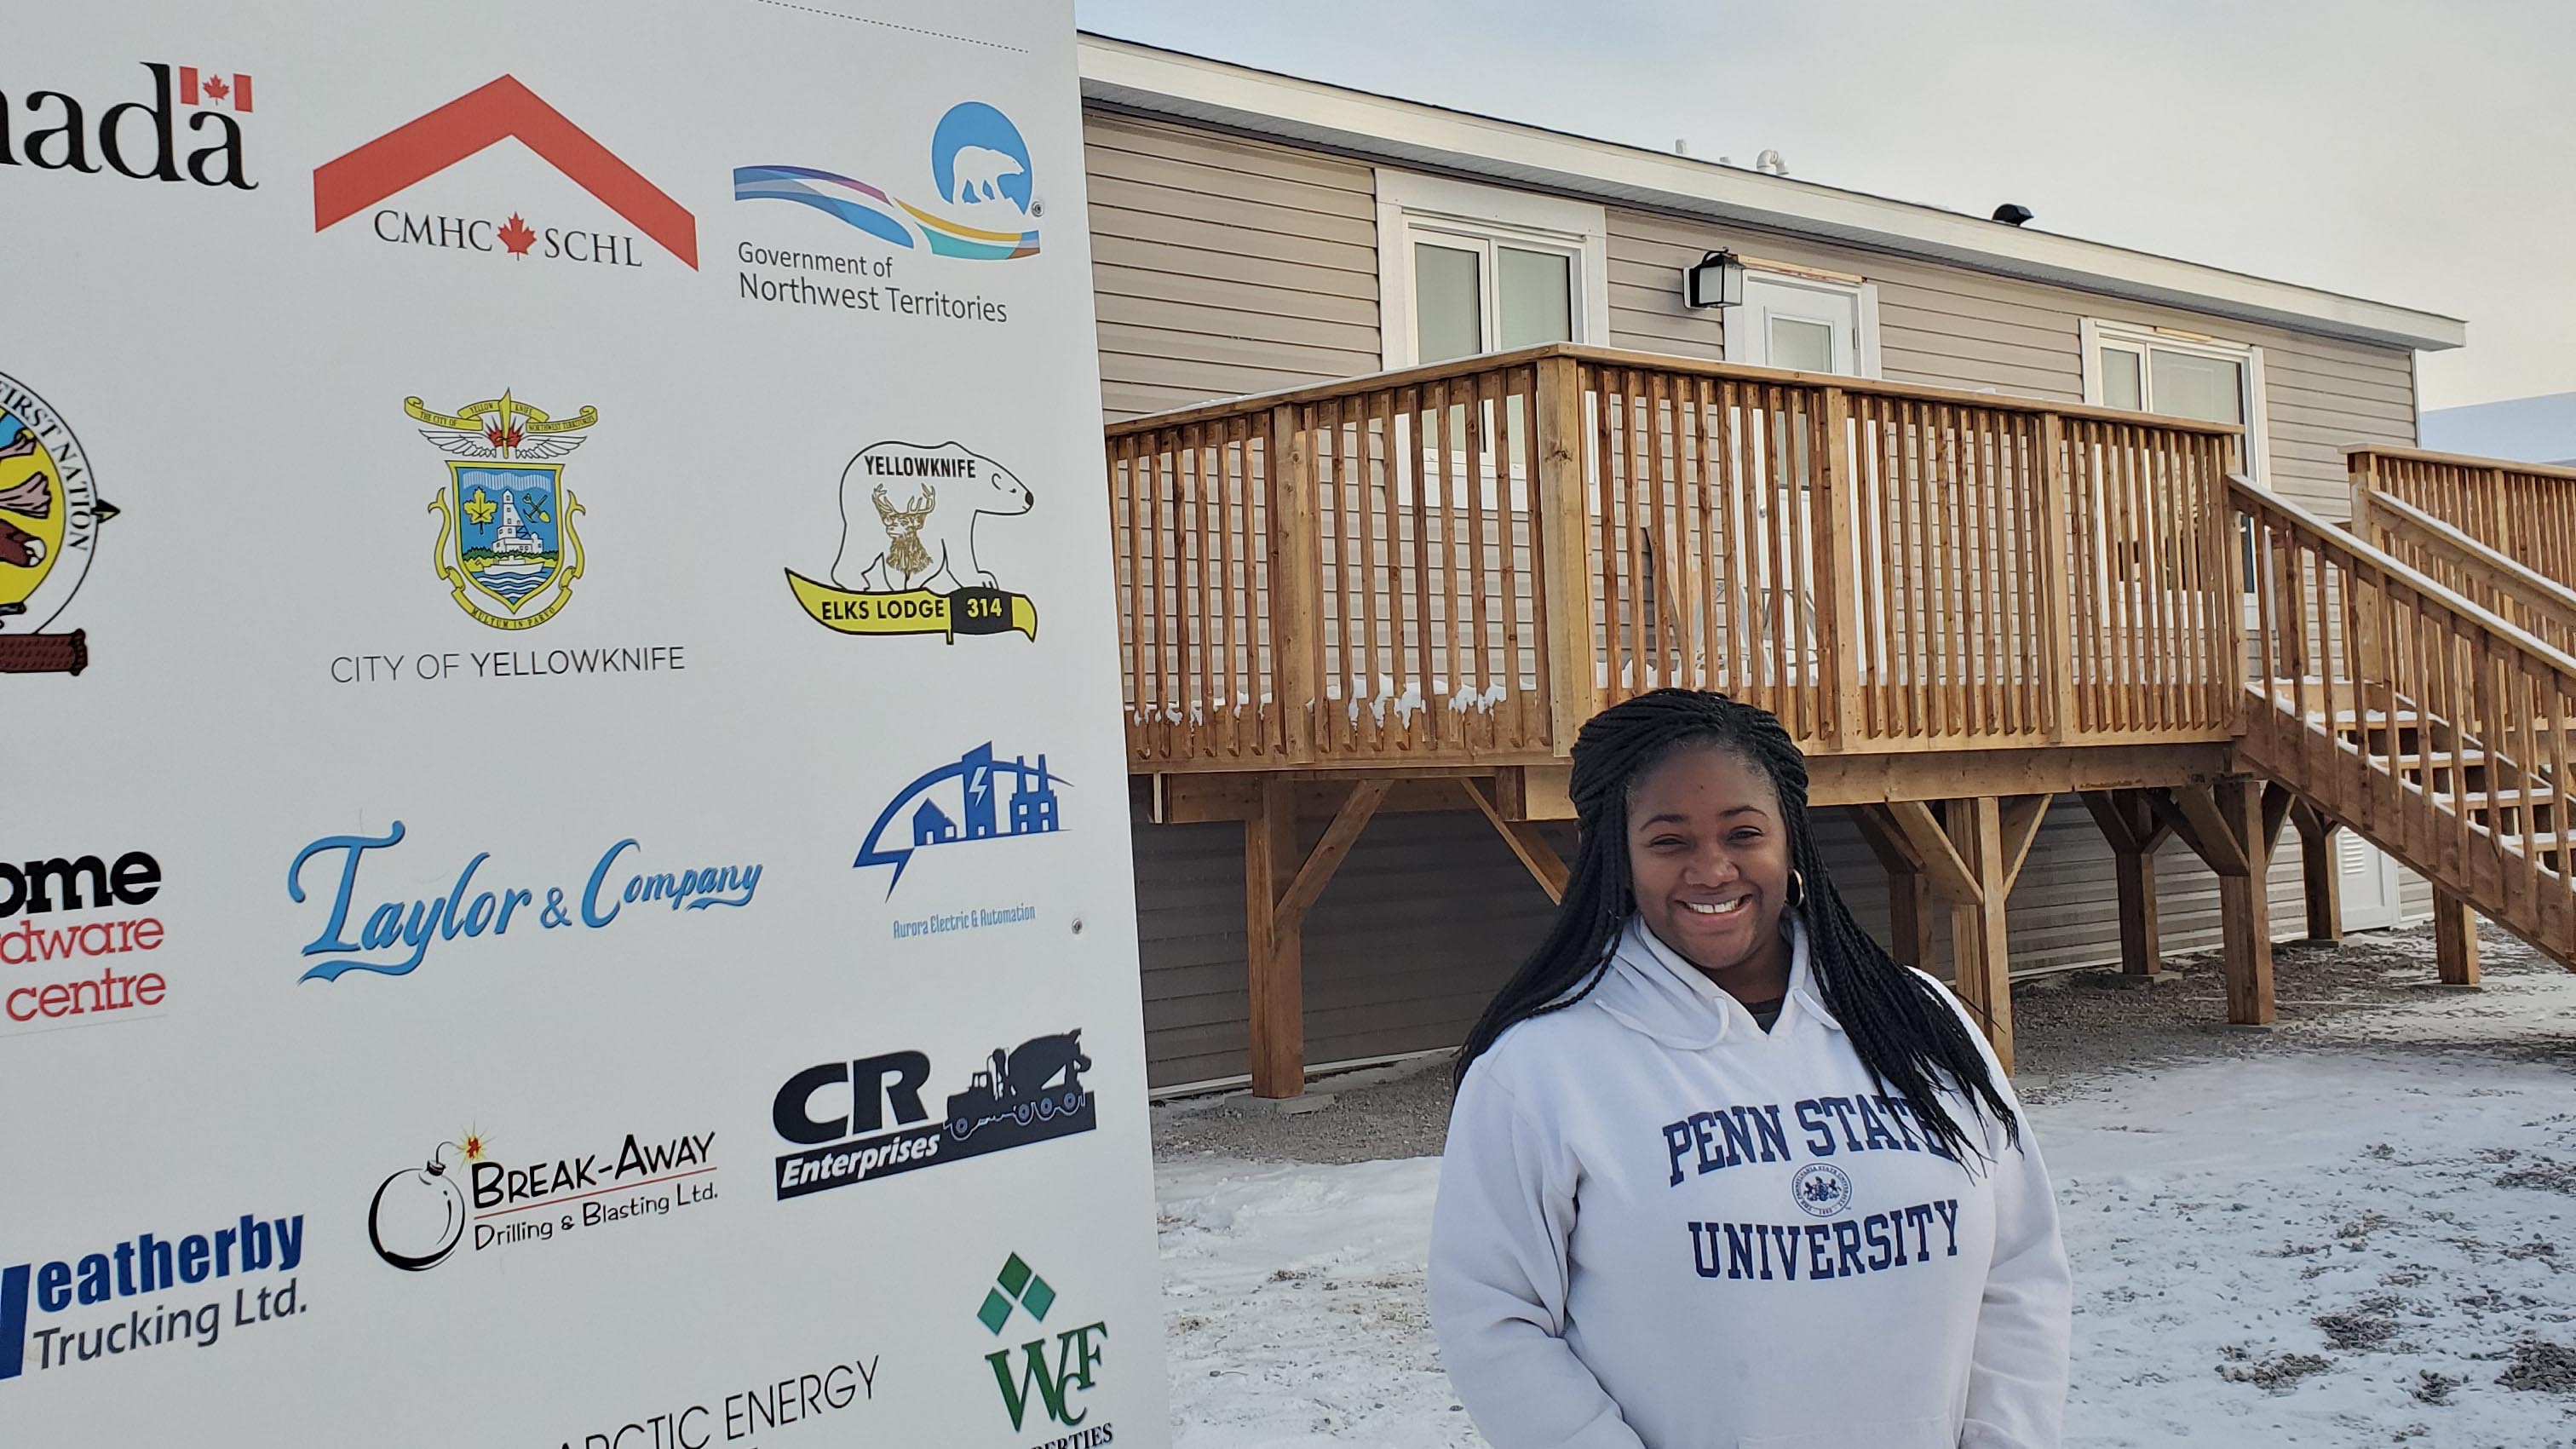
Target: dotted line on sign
x=890, y=25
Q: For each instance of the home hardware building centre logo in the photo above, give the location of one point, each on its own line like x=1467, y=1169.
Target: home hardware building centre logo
x=907, y=563
x=420, y=1215
x=45, y=933
x=1051, y=1371
x=837, y=1114
x=503, y=110
x=970, y=787
x=50, y=514
x=506, y=539
x=182, y=1281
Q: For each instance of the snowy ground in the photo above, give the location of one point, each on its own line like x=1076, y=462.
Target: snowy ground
x=2359, y=1230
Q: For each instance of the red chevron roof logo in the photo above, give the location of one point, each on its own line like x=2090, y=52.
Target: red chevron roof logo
x=414, y=152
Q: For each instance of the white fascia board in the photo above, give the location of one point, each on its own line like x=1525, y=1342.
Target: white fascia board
x=1136, y=78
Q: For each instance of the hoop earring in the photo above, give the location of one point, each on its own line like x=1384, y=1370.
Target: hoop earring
x=1797, y=890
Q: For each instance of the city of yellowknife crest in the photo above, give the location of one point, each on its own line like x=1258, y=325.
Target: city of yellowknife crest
x=506, y=543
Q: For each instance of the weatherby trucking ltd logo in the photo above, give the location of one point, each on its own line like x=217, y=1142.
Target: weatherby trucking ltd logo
x=907, y=563
x=72, y=1311
x=861, y=1120
x=420, y=1215
x=84, y=968
x=53, y=130
x=504, y=110
x=50, y=514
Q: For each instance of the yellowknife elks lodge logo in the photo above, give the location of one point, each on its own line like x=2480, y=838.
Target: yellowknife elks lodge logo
x=907, y=563
x=506, y=544
x=50, y=513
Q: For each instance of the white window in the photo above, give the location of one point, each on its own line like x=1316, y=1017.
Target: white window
x=1464, y=269
x=2158, y=370
x=1805, y=321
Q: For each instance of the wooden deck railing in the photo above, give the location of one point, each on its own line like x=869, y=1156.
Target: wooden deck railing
x=1458, y=564
x=2404, y=710
x=2524, y=511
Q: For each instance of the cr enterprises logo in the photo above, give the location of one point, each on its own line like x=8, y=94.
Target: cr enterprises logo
x=838, y=1113
x=1053, y=1368
x=33, y=892
x=907, y=563
x=397, y=936
x=151, y=1267
x=418, y=150
x=137, y=139
x=419, y=1215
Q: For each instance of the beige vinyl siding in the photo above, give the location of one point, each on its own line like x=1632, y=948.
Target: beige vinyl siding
x=1223, y=266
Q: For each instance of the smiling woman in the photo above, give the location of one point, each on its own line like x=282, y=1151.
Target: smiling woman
x=1707, y=1101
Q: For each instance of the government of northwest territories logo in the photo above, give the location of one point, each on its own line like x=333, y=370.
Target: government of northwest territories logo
x=837, y=1113
x=971, y=788
x=987, y=206
x=1063, y=1361
x=506, y=541
x=503, y=110
x=50, y=514
x=907, y=563
x=420, y=1215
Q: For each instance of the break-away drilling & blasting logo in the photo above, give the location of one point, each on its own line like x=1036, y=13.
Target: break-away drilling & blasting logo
x=421, y=1215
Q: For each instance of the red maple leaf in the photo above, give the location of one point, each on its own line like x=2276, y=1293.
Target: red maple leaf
x=516, y=236
x=501, y=437
x=215, y=88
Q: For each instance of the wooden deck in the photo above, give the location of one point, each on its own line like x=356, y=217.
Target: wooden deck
x=1409, y=590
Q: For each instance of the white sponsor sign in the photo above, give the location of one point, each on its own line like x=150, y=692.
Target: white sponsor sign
x=564, y=873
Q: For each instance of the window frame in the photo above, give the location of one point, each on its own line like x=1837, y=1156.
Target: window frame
x=2096, y=335
x=1862, y=292
x=1483, y=219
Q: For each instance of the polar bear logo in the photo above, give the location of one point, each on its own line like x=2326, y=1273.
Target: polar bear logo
x=908, y=517
x=978, y=173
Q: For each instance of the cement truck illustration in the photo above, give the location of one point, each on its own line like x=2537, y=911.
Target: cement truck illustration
x=1032, y=1084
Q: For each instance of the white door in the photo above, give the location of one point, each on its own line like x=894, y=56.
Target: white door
x=1804, y=325
x=2370, y=900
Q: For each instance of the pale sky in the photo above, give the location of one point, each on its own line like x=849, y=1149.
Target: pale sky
x=2420, y=154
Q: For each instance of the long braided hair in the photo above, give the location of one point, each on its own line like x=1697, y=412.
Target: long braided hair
x=1908, y=1036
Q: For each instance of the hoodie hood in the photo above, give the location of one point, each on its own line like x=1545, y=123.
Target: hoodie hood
x=1653, y=991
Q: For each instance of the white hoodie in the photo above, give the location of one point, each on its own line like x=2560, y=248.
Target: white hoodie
x=1659, y=1226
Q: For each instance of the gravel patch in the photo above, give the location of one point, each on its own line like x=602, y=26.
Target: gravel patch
x=2542, y=1366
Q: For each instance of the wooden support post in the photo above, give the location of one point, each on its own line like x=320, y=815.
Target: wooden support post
x=1564, y=588
x=1280, y=887
x=2056, y=584
x=1980, y=944
x=1274, y=963
x=2129, y=824
x=2320, y=872
x=1909, y=890
x=1837, y=583
x=2244, y=899
x=2455, y=939
x=1296, y=585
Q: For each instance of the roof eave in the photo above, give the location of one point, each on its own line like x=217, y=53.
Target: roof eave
x=1140, y=79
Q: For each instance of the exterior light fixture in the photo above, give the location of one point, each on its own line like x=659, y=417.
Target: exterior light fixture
x=1717, y=281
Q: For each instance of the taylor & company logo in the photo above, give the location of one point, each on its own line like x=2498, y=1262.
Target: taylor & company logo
x=50, y=514
x=63, y=918
x=857, y=1121
x=1052, y=1371
x=108, y=1301
x=907, y=563
x=962, y=804
x=394, y=937
x=506, y=540
x=421, y=1215
x=502, y=110
x=136, y=139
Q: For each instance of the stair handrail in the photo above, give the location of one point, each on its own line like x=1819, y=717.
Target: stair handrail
x=2245, y=496
x=2552, y=601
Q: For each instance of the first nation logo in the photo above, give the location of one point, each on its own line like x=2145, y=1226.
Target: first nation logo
x=50, y=514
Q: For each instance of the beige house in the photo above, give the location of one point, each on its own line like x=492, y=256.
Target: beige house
x=1254, y=232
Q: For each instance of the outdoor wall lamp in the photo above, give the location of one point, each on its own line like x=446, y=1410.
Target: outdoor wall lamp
x=1717, y=281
